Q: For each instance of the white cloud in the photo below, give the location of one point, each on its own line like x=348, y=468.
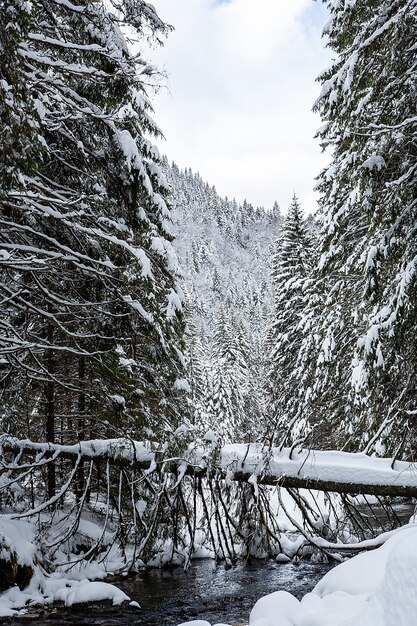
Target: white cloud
x=242, y=83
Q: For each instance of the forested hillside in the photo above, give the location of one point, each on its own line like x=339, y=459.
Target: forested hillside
x=226, y=251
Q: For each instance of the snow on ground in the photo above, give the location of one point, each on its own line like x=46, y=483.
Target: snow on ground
x=46, y=590
x=17, y=542
x=375, y=588
x=85, y=591
x=17, y=538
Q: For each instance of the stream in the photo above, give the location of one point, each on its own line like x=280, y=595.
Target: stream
x=214, y=593
x=169, y=597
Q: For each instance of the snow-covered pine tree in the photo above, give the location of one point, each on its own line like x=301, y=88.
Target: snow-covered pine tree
x=366, y=374
x=91, y=325
x=228, y=376
x=21, y=146
x=292, y=264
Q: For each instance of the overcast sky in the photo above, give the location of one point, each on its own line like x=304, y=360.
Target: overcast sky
x=241, y=87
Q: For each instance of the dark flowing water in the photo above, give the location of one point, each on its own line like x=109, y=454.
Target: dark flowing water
x=215, y=594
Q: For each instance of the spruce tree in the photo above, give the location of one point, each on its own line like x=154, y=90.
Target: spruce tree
x=365, y=352
x=291, y=266
x=91, y=324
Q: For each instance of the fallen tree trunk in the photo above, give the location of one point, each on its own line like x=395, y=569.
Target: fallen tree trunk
x=324, y=470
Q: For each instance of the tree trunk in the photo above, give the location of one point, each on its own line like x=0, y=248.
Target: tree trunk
x=50, y=403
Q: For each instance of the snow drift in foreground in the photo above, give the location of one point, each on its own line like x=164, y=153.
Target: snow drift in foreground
x=376, y=588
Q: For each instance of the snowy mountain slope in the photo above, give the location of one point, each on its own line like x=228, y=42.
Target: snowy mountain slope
x=226, y=251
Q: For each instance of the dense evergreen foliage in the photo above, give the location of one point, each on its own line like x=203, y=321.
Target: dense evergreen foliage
x=292, y=265
x=91, y=309
x=371, y=201
x=90, y=322
x=356, y=365
x=226, y=251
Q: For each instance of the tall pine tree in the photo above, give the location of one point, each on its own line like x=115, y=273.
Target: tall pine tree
x=292, y=263
x=363, y=361
x=90, y=321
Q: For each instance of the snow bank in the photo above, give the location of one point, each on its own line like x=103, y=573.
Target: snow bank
x=44, y=590
x=17, y=537
x=200, y=622
x=18, y=548
x=15, y=601
x=376, y=588
x=196, y=622
x=264, y=610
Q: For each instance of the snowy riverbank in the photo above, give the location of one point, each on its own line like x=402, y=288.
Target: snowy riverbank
x=375, y=588
x=18, y=552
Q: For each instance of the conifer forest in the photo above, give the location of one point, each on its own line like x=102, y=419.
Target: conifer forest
x=188, y=376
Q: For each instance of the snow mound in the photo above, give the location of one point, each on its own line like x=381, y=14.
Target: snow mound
x=364, y=573
x=395, y=601
x=265, y=612
x=16, y=537
x=86, y=591
x=399, y=599
x=17, y=555
x=196, y=622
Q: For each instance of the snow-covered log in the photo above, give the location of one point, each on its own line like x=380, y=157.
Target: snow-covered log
x=324, y=470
